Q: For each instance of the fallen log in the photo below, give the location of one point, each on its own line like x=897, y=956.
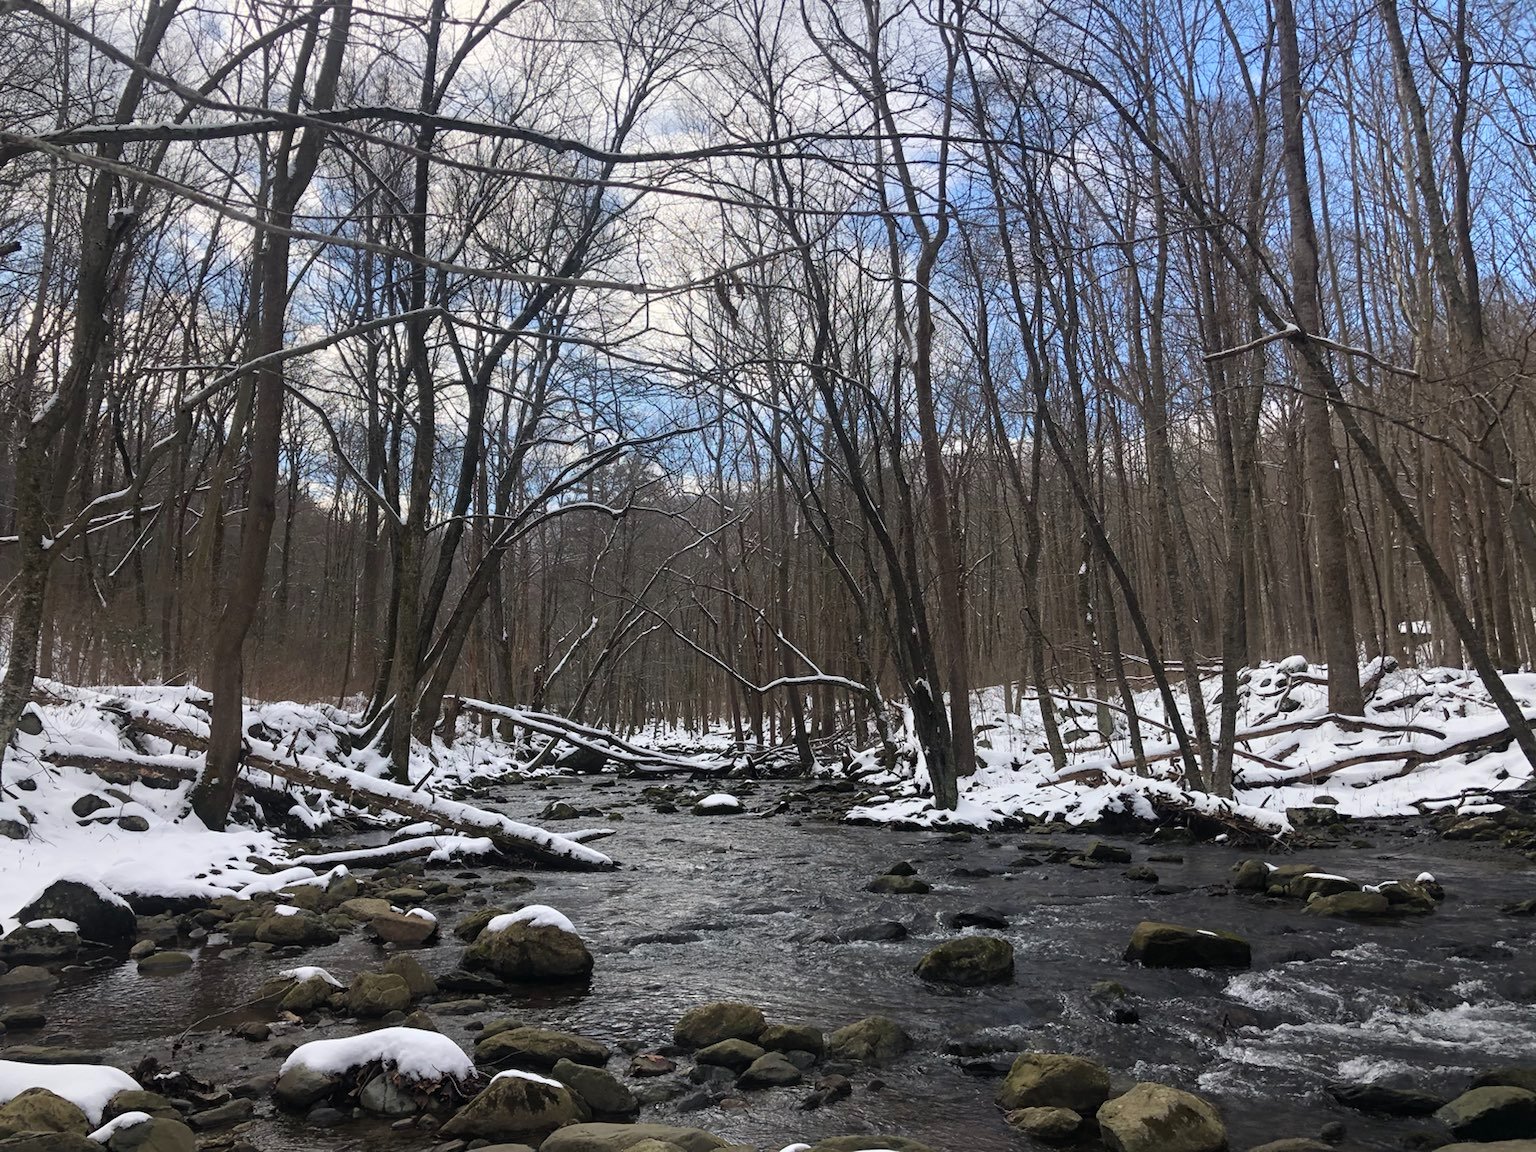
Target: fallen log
x=593, y=740
x=512, y=839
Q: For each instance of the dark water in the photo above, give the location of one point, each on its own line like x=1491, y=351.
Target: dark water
x=1423, y=1002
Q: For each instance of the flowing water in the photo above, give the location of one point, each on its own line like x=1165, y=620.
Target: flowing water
x=744, y=908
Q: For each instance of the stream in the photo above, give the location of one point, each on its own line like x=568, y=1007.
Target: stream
x=746, y=908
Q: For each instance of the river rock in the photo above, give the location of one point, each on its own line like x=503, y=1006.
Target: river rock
x=1492, y=1113
x=651, y=1064
x=1310, y=884
x=28, y=978
x=793, y=1038
x=364, y=907
x=137, y=1100
x=733, y=1054
x=469, y=928
x=722, y=1020
x=46, y=945
x=600, y=1090
x=1386, y=1099
x=299, y=928
x=1157, y=1118
x=1250, y=876
x=383, y=1097
x=97, y=914
x=513, y=1105
x=980, y=917
x=1409, y=896
x=621, y=1137
x=1495, y=1146
x=969, y=961
x=1053, y=1080
x=1509, y=1076
x=770, y=1070
x=416, y=978
x=1351, y=905
x=44, y=1141
x=1158, y=945
x=1293, y=1144
x=405, y=930
x=223, y=1115
x=1103, y=853
x=301, y=1086
x=893, y=885
x=531, y=954
x=303, y=996
x=538, y=1048
x=158, y=962
x=1048, y=1125
x=39, y=1110
x=872, y=1040
x=881, y=930
x=374, y=994
x=157, y=1134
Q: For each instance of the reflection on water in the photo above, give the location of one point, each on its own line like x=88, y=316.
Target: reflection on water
x=748, y=904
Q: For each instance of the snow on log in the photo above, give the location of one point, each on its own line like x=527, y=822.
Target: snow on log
x=593, y=739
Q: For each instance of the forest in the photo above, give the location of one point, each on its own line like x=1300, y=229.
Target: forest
x=765, y=368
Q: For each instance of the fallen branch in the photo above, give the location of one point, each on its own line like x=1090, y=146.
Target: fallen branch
x=593, y=740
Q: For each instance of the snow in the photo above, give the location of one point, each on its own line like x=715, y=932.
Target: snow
x=415, y=1054
x=89, y=1087
x=537, y=915
x=1424, y=878
x=126, y=1120
x=309, y=972
x=178, y=856
x=422, y=914
x=519, y=1074
x=719, y=800
x=56, y=925
x=1275, y=769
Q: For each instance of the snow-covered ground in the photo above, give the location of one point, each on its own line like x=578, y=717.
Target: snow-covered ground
x=1289, y=755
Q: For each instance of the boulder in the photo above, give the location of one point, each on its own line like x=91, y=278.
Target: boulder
x=28, y=978
x=601, y=1091
x=300, y=1086
x=513, y=1104
x=770, y=1070
x=621, y=1137
x=97, y=913
x=44, y=1141
x=723, y=1020
x=159, y=962
x=39, y=1110
x=1511, y=1075
x=400, y=928
x=733, y=1054
x=1495, y=1146
x=1053, y=1080
x=1351, y=905
x=793, y=1038
x=1386, y=1099
x=137, y=1100
x=872, y=1040
x=416, y=978
x=528, y=953
x=47, y=945
x=1048, y=1125
x=295, y=928
x=157, y=1134
x=1157, y=1118
x=1310, y=884
x=893, y=885
x=469, y=928
x=1250, y=876
x=969, y=961
x=374, y=994
x=364, y=907
x=538, y=1048
x=1497, y=1112
x=1159, y=945
x=306, y=995
x=383, y=1097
